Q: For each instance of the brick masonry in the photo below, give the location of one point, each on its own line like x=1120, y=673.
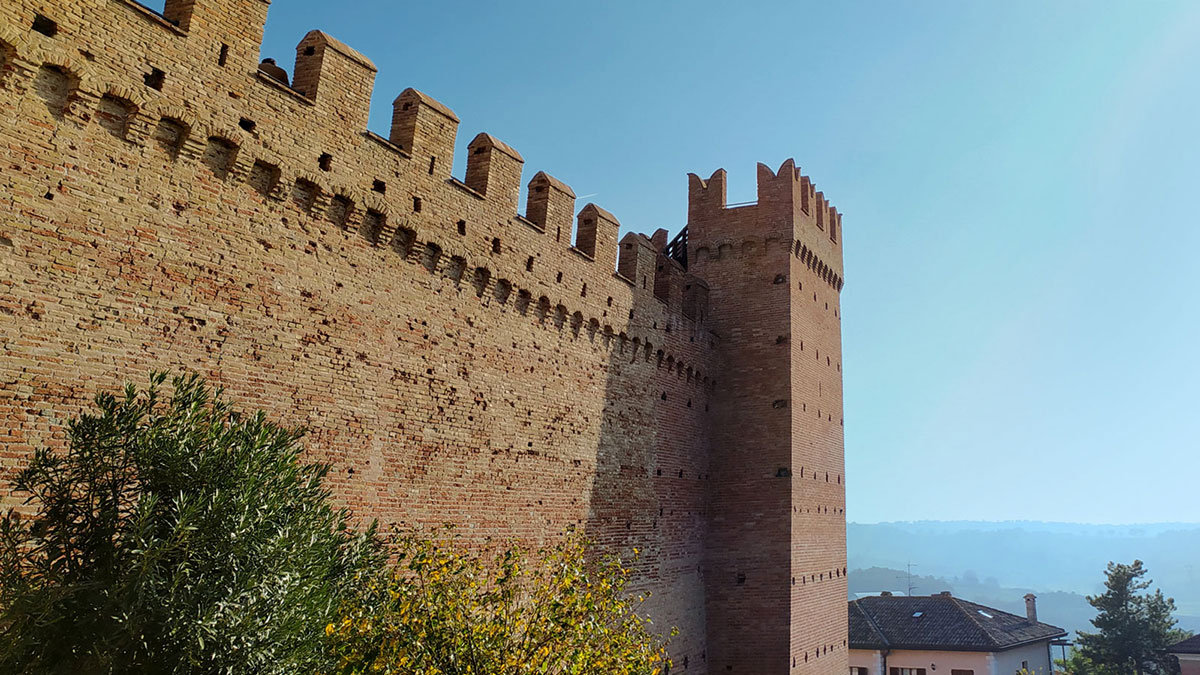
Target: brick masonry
x=166, y=205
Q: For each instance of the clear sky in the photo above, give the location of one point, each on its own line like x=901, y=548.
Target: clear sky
x=1019, y=180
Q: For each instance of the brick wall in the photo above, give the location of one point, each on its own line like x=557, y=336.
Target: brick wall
x=165, y=205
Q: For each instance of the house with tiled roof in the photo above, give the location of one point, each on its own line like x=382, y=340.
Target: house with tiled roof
x=944, y=635
x=1188, y=653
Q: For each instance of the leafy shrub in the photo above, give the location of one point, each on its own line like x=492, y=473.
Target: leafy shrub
x=180, y=536
x=175, y=537
x=444, y=610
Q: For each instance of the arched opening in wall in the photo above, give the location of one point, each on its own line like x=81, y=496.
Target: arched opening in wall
x=560, y=316
x=576, y=323
x=480, y=281
x=402, y=242
x=304, y=194
x=592, y=329
x=661, y=356
x=264, y=177
x=648, y=349
x=608, y=337
x=219, y=154
x=456, y=268
x=502, y=291
x=55, y=86
x=622, y=343
x=372, y=227
x=543, y=308
x=523, y=300
x=637, y=346
x=169, y=136
x=340, y=209
x=430, y=256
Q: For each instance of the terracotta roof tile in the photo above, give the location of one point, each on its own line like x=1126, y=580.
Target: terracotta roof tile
x=940, y=622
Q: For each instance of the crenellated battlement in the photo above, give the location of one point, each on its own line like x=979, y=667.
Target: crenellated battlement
x=305, y=140
x=786, y=193
x=790, y=216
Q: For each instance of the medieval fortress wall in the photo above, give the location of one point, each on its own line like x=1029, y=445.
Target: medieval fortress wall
x=165, y=205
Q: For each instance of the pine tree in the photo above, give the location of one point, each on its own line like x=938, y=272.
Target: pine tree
x=1134, y=627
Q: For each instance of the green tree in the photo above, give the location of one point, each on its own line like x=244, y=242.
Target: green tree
x=447, y=610
x=1134, y=627
x=1078, y=664
x=175, y=537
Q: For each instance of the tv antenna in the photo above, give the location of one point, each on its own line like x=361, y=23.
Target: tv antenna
x=911, y=587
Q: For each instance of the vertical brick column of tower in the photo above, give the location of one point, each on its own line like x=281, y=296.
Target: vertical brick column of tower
x=775, y=561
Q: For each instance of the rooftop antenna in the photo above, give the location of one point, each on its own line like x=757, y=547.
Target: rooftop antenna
x=911, y=587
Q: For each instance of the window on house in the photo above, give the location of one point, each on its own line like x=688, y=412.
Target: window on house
x=907, y=671
x=857, y=670
x=962, y=671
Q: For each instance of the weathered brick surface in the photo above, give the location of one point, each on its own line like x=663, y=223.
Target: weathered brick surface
x=166, y=206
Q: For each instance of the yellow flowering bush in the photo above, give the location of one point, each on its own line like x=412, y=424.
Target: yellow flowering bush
x=443, y=610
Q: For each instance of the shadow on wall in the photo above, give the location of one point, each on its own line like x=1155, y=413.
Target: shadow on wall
x=651, y=477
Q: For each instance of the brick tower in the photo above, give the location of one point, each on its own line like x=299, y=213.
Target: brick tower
x=775, y=557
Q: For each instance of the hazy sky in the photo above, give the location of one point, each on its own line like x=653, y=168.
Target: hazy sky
x=1019, y=181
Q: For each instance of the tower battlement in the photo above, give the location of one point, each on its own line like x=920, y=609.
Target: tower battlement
x=168, y=203
x=790, y=214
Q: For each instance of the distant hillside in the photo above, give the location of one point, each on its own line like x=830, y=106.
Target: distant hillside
x=1066, y=610
x=997, y=563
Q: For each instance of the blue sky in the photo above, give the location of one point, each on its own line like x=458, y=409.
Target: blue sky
x=1019, y=181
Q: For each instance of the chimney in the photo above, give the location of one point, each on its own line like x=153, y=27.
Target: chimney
x=1031, y=607
x=944, y=594
x=885, y=594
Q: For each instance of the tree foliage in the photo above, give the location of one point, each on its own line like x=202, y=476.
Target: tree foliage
x=1078, y=664
x=175, y=536
x=1134, y=627
x=447, y=611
